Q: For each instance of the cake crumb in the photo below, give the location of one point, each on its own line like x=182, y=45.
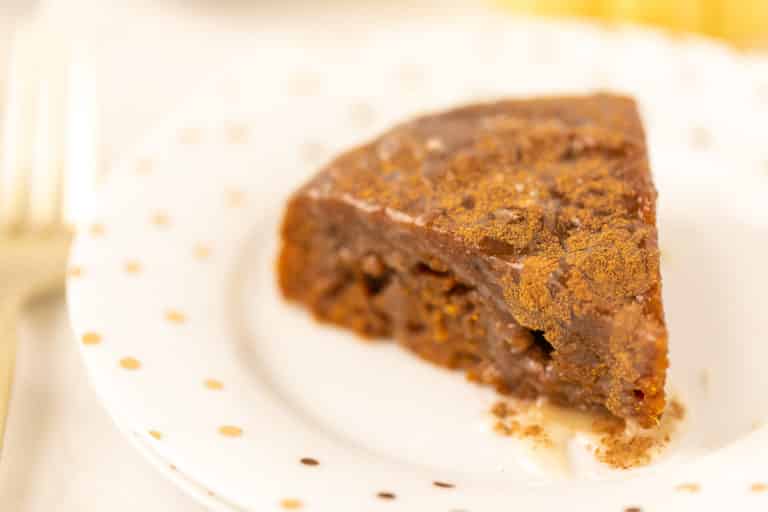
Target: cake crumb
x=758, y=487
x=502, y=410
x=537, y=434
x=513, y=428
x=507, y=426
x=618, y=444
x=533, y=431
x=623, y=453
x=622, y=449
x=676, y=410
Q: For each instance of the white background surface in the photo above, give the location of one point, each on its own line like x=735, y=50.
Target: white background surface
x=62, y=452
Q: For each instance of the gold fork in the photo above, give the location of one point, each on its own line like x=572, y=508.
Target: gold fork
x=47, y=164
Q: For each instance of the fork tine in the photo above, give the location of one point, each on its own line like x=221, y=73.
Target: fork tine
x=49, y=158
x=18, y=128
x=45, y=181
x=82, y=156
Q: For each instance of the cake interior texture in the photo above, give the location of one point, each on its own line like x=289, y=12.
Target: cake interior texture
x=513, y=240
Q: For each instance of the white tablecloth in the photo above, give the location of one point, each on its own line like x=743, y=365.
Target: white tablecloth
x=62, y=452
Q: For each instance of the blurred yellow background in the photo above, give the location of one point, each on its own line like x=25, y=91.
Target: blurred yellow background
x=742, y=22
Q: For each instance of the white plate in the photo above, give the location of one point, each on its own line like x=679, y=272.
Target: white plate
x=172, y=280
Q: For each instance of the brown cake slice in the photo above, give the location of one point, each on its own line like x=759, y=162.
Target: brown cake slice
x=514, y=240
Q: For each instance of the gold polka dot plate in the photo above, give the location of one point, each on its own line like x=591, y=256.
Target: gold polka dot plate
x=249, y=405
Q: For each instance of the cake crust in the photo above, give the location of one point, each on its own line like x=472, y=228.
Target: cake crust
x=515, y=240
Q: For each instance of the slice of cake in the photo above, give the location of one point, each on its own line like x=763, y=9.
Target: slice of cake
x=514, y=240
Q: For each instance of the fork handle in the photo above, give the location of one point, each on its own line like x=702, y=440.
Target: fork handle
x=19, y=288
x=9, y=319
x=10, y=310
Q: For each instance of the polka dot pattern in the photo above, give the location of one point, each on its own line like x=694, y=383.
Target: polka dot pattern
x=202, y=252
x=91, y=338
x=160, y=219
x=235, y=198
x=237, y=133
x=214, y=384
x=130, y=363
x=132, y=267
x=688, y=487
x=175, y=317
x=291, y=504
x=230, y=431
